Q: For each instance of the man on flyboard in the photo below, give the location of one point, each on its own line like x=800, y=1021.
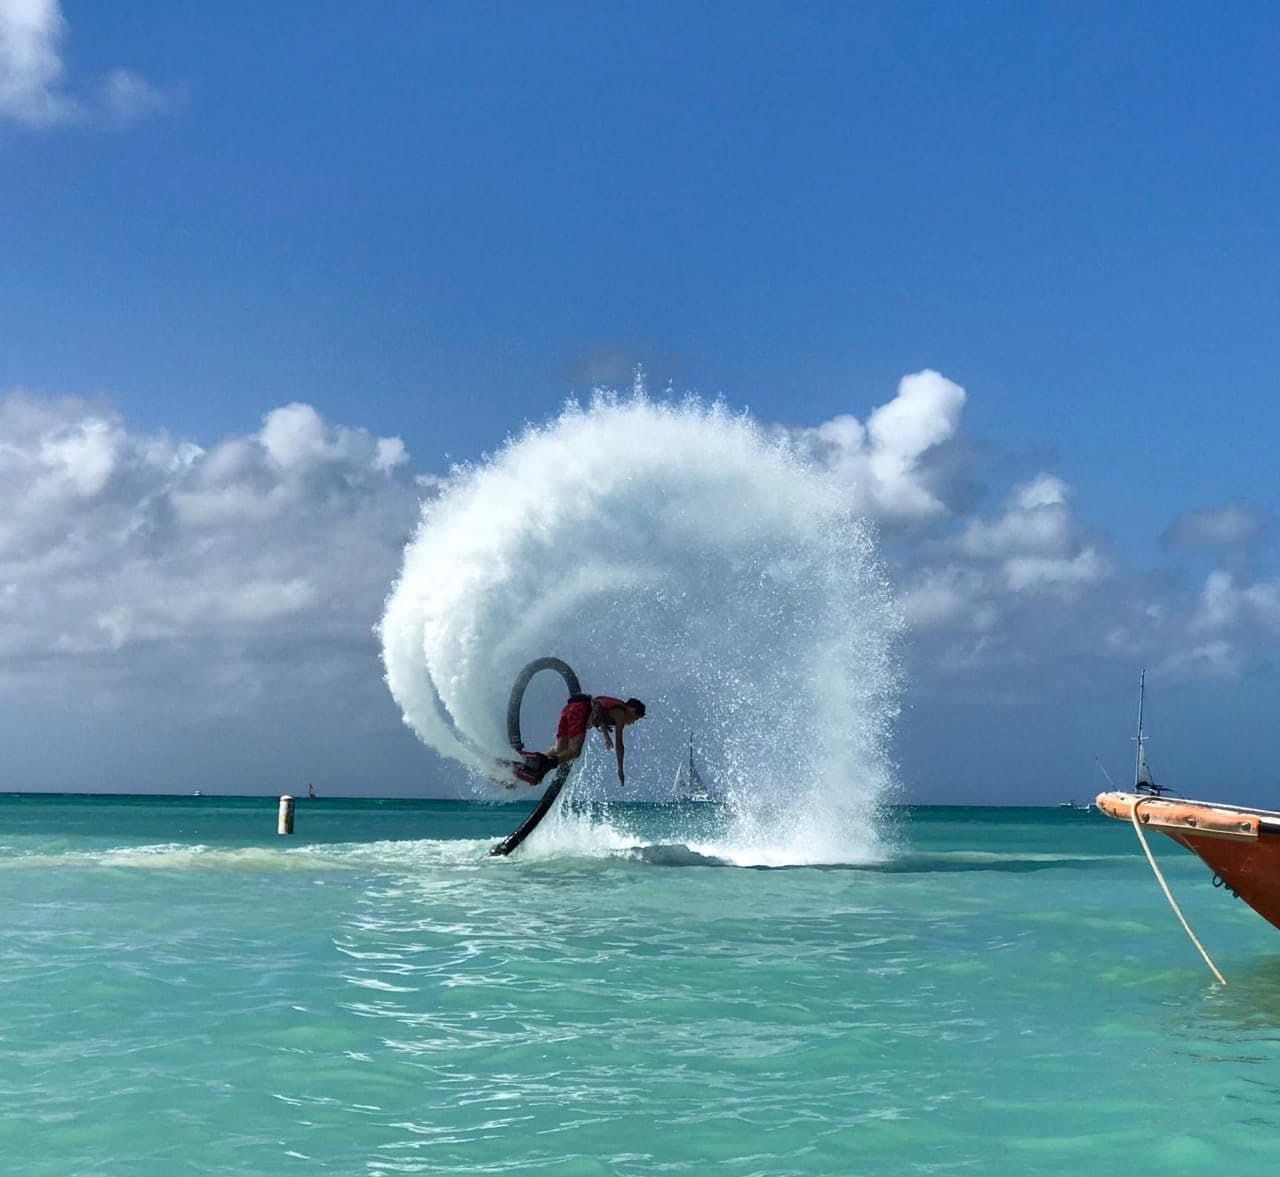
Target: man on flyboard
x=609, y=715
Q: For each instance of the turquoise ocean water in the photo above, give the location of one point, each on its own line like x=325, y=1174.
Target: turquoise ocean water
x=182, y=991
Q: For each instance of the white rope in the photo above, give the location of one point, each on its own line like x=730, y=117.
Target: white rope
x=1142, y=837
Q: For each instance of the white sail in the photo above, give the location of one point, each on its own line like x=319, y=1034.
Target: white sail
x=1144, y=777
x=688, y=785
x=696, y=788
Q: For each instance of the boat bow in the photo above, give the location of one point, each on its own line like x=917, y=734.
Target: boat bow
x=1240, y=846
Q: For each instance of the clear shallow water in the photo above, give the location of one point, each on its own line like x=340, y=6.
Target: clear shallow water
x=1005, y=992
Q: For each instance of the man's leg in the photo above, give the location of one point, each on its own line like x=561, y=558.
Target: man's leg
x=572, y=728
x=566, y=748
x=570, y=733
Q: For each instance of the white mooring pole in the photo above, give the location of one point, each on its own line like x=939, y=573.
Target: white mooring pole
x=284, y=823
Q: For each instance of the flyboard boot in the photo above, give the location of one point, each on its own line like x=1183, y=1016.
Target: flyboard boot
x=533, y=767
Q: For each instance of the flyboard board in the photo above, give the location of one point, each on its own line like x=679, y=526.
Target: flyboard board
x=530, y=823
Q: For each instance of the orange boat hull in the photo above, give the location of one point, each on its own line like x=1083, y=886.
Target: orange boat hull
x=1241, y=847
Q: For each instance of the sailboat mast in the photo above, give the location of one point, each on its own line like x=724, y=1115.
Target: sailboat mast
x=1137, y=765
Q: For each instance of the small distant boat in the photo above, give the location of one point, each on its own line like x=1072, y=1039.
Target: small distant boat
x=197, y=793
x=689, y=787
x=1143, y=781
x=1075, y=805
x=1240, y=845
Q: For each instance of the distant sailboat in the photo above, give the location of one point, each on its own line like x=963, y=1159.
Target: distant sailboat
x=688, y=785
x=1143, y=781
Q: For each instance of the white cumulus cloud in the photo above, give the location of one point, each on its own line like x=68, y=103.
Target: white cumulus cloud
x=1054, y=573
x=1036, y=521
x=33, y=84
x=31, y=33
x=264, y=547
x=886, y=462
x=948, y=597
x=1232, y=526
x=1225, y=604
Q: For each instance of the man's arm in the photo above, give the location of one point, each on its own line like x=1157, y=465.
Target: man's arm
x=622, y=776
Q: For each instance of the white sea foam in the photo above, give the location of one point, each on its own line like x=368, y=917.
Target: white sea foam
x=409, y=855
x=682, y=554
x=179, y=856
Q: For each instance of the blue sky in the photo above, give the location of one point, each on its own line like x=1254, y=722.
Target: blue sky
x=433, y=222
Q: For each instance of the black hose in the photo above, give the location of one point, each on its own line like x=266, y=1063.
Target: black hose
x=514, y=704
x=562, y=668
